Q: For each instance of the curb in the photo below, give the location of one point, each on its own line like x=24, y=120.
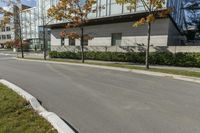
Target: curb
x=159, y=74
x=51, y=117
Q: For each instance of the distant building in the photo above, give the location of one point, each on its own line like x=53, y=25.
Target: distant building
x=7, y=32
x=30, y=29
x=11, y=31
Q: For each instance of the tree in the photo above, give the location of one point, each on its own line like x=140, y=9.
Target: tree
x=154, y=9
x=13, y=17
x=44, y=21
x=75, y=12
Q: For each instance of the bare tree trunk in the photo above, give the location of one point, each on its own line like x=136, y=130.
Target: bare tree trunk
x=148, y=45
x=82, y=46
x=19, y=29
x=44, y=33
x=22, y=47
x=21, y=41
x=44, y=43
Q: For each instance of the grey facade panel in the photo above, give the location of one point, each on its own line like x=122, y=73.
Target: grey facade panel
x=130, y=36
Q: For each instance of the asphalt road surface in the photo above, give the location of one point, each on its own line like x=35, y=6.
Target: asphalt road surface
x=94, y=100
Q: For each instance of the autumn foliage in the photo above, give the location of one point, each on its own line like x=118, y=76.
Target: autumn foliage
x=75, y=14
x=153, y=9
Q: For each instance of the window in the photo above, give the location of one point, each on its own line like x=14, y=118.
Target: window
x=3, y=37
x=3, y=29
x=85, y=42
x=71, y=42
x=115, y=8
x=116, y=39
x=7, y=28
x=62, y=41
x=8, y=36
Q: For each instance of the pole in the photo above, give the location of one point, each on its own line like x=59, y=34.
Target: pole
x=148, y=45
x=44, y=43
x=82, y=46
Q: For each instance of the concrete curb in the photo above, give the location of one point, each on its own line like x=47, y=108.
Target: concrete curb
x=159, y=74
x=51, y=117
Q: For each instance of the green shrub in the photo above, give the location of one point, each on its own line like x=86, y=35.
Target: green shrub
x=53, y=54
x=162, y=58
x=156, y=58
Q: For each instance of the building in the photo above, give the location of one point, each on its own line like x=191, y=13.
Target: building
x=111, y=27
x=7, y=33
x=11, y=31
x=30, y=28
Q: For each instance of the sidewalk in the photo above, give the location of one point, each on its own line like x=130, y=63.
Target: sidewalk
x=38, y=55
x=41, y=56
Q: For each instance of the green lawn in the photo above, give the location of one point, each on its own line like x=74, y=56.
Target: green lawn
x=17, y=116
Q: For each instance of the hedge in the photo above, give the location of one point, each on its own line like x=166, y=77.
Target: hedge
x=156, y=58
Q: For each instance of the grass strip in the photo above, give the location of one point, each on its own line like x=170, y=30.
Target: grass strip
x=17, y=115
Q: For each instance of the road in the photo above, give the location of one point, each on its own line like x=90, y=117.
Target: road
x=94, y=100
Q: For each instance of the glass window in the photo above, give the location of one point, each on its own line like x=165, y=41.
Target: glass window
x=140, y=6
x=62, y=41
x=3, y=37
x=102, y=7
x=7, y=28
x=8, y=36
x=116, y=39
x=115, y=8
x=3, y=29
x=85, y=42
x=94, y=12
x=71, y=42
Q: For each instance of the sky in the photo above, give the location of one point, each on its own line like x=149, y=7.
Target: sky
x=30, y=3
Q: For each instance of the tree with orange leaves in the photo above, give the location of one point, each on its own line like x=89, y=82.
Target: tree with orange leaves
x=75, y=12
x=154, y=9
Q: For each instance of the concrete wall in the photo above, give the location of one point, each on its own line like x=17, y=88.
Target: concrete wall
x=139, y=48
x=174, y=37
x=189, y=49
x=130, y=36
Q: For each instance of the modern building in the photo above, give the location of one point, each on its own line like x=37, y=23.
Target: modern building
x=111, y=27
x=30, y=27
x=10, y=32
x=7, y=32
x=6, y=35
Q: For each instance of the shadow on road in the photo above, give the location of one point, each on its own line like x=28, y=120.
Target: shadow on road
x=70, y=126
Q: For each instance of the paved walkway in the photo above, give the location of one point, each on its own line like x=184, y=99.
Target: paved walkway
x=108, y=62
